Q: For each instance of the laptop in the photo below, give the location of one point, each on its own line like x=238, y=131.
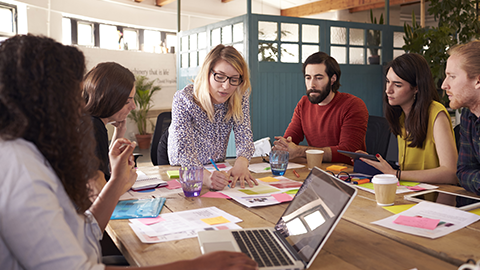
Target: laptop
x=299, y=234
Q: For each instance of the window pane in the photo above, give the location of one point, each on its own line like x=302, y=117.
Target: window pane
x=201, y=56
x=240, y=48
x=172, y=43
x=215, y=37
x=308, y=50
x=85, y=34
x=338, y=35
x=202, y=40
x=227, y=34
x=184, y=60
x=289, y=53
x=66, y=31
x=398, y=41
x=193, y=59
x=184, y=43
x=374, y=59
x=6, y=20
x=289, y=32
x=130, y=38
x=193, y=42
x=151, y=41
x=357, y=56
x=339, y=53
x=397, y=53
x=357, y=37
x=310, y=33
x=238, y=32
x=109, y=36
x=267, y=30
x=267, y=52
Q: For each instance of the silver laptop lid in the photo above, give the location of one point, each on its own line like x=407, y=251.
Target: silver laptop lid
x=314, y=212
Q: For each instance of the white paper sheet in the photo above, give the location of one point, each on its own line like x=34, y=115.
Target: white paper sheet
x=264, y=167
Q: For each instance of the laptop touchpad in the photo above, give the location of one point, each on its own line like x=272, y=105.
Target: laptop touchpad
x=211, y=247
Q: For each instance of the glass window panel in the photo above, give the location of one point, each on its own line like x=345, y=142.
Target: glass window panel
x=67, y=31
x=215, y=37
x=151, y=41
x=339, y=53
x=397, y=53
x=227, y=34
x=184, y=60
x=357, y=56
x=289, y=53
x=193, y=59
x=267, y=30
x=6, y=20
x=240, y=48
x=130, y=37
x=238, y=32
x=109, y=37
x=267, y=52
x=357, y=36
x=85, y=34
x=201, y=56
x=398, y=41
x=193, y=42
x=202, y=40
x=308, y=50
x=310, y=33
x=374, y=37
x=289, y=32
x=338, y=35
x=376, y=59
x=184, y=42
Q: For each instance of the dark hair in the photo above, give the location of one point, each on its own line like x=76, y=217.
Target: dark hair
x=331, y=66
x=40, y=101
x=106, y=89
x=412, y=68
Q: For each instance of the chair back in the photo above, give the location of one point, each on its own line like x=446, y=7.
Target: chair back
x=163, y=122
x=378, y=135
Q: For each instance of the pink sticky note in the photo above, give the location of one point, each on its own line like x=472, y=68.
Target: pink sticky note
x=282, y=197
x=173, y=184
x=221, y=166
x=212, y=194
x=416, y=188
x=418, y=222
x=150, y=221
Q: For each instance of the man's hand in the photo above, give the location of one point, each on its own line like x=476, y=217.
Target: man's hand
x=286, y=144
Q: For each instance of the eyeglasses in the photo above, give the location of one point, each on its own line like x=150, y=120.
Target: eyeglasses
x=343, y=175
x=234, y=81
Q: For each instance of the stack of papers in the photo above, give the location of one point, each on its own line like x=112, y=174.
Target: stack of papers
x=145, y=182
x=182, y=225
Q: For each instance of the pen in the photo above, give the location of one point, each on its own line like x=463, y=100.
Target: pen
x=214, y=165
x=296, y=174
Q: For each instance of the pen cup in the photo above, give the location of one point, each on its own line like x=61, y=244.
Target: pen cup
x=191, y=178
x=385, y=186
x=278, y=161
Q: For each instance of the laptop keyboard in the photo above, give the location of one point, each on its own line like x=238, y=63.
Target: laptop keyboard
x=261, y=246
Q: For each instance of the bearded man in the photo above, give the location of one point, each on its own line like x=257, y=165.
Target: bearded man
x=328, y=119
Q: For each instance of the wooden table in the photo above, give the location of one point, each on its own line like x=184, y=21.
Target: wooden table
x=354, y=244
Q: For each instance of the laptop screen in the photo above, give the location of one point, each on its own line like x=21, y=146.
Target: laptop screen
x=312, y=215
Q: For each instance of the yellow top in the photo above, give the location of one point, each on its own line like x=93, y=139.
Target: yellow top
x=421, y=158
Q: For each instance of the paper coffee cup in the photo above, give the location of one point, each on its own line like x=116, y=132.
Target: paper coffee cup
x=385, y=186
x=314, y=158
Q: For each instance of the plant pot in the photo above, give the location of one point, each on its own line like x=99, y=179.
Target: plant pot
x=144, y=140
x=374, y=60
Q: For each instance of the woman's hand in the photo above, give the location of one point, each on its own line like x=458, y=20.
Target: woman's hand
x=218, y=180
x=240, y=172
x=381, y=165
x=123, y=163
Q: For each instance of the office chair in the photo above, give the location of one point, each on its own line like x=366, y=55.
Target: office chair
x=378, y=135
x=161, y=127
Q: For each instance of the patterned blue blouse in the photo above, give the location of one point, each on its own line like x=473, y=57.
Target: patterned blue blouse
x=193, y=139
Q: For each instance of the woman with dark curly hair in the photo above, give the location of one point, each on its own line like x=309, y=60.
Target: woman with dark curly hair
x=48, y=220
x=109, y=91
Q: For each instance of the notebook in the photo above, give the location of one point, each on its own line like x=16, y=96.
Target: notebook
x=145, y=182
x=300, y=233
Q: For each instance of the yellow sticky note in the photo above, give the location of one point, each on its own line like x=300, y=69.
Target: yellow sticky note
x=268, y=179
x=475, y=211
x=215, y=220
x=336, y=168
x=396, y=209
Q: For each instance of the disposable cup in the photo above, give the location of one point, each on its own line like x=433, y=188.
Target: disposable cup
x=314, y=158
x=385, y=186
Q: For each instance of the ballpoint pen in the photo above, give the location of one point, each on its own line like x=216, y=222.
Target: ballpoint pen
x=215, y=165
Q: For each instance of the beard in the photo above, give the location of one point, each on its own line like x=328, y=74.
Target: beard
x=322, y=94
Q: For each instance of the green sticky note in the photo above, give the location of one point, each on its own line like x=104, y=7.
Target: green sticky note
x=173, y=174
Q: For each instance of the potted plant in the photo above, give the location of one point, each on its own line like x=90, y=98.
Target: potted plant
x=374, y=38
x=143, y=99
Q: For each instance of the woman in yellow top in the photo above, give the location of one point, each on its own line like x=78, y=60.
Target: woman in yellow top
x=426, y=144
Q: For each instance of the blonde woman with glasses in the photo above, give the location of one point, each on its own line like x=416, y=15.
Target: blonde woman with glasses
x=204, y=113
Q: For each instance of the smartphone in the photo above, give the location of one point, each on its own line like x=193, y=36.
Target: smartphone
x=356, y=155
x=459, y=201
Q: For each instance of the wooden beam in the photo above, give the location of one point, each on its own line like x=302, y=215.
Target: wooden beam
x=138, y=1
x=226, y=1
x=325, y=6
x=162, y=3
x=382, y=5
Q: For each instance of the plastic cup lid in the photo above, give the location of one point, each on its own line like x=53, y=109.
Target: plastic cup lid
x=314, y=151
x=384, y=179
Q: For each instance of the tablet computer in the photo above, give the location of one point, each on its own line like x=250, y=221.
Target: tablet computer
x=459, y=201
x=356, y=155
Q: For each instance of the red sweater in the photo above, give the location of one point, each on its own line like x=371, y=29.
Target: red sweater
x=340, y=125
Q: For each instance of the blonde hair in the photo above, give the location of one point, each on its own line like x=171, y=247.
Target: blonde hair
x=470, y=54
x=201, y=89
